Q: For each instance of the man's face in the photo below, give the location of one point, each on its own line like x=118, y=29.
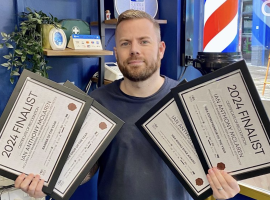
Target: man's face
x=138, y=51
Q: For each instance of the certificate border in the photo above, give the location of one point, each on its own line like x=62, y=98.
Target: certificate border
x=72, y=135
x=140, y=123
x=253, y=93
x=100, y=149
x=236, y=72
x=15, y=104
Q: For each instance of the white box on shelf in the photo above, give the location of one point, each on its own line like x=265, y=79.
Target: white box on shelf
x=85, y=42
x=112, y=71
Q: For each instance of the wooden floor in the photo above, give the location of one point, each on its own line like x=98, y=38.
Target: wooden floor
x=259, y=181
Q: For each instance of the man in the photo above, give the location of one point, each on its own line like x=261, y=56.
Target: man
x=130, y=169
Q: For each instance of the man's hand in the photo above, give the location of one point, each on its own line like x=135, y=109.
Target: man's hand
x=32, y=185
x=224, y=186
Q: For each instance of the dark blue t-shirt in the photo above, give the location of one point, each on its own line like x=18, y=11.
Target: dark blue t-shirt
x=130, y=168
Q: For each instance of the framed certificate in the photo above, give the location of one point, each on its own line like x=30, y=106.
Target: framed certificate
x=99, y=128
x=164, y=128
x=38, y=128
x=227, y=121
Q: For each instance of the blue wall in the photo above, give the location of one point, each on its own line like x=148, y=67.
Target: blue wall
x=170, y=33
x=8, y=21
x=78, y=70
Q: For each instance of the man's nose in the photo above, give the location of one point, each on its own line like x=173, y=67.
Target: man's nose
x=135, y=49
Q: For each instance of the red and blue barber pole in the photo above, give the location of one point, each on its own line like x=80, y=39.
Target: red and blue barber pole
x=221, y=27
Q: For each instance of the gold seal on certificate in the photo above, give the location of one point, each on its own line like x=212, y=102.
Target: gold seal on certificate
x=38, y=128
x=217, y=120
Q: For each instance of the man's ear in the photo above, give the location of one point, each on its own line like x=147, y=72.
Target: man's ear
x=115, y=52
x=161, y=48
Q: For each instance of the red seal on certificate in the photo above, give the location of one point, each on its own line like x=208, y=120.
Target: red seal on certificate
x=199, y=181
x=102, y=125
x=72, y=106
x=221, y=166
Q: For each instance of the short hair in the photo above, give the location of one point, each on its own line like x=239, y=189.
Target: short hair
x=138, y=14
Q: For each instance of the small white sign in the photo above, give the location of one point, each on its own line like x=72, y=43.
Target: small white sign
x=85, y=42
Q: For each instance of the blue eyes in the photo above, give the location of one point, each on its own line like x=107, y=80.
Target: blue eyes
x=143, y=42
x=124, y=44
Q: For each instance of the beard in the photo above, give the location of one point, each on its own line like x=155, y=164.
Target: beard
x=139, y=73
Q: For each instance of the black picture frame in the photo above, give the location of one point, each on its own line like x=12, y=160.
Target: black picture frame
x=28, y=76
x=78, y=178
x=169, y=99
x=239, y=67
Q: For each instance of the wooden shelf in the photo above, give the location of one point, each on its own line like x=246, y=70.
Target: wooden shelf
x=114, y=22
x=72, y=52
x=106, y=82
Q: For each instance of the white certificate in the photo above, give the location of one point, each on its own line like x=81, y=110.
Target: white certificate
x=229, y=122
x=164, y=127
x=94, y=131
x=37, y=128
x=168, y=130
x=215, y=120
x=99, y=128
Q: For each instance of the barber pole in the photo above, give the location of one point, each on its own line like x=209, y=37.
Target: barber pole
x=220, y=26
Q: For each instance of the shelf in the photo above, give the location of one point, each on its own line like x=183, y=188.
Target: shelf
x=114, y=22
x=72, y=52
x=95, y=80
